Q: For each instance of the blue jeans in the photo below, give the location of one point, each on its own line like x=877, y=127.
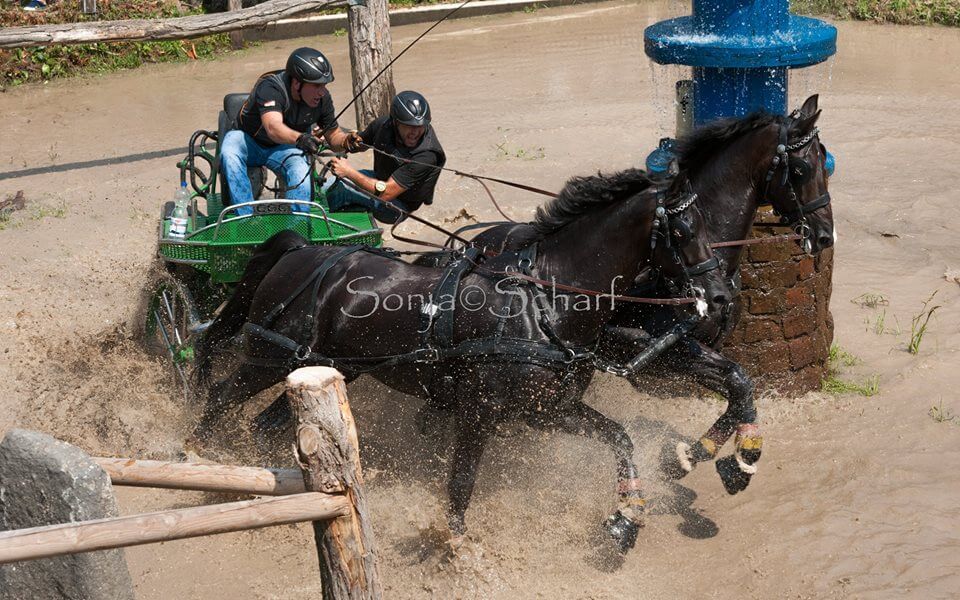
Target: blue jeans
x=340, y=197
x=238, y=151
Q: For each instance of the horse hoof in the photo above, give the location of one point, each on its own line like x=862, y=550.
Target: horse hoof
x=733, y=478
x=623, y=531
x=683, y=463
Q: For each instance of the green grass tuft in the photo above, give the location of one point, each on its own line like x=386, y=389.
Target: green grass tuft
x=918, y=325
x=904, y=12
x=34, y=65
x=834, y=385
x=942, y=415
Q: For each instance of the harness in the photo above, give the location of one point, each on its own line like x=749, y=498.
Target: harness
x=795, y=171
x=437, y=334
x=437, y=322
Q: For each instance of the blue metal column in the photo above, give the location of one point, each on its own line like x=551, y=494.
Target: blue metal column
x=740, y=51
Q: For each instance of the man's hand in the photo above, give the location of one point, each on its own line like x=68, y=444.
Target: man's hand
x=341, y=168
x=353, y=143
x=308, y=143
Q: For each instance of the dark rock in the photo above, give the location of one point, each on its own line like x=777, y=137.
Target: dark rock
x=44, y=481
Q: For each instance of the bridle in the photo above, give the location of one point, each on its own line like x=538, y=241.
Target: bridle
x=669, y=226
x=794, y=171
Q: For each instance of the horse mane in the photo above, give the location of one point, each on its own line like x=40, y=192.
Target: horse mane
x=694, y=149
x=581, y=196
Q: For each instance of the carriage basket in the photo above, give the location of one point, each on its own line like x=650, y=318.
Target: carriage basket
x=222, y=246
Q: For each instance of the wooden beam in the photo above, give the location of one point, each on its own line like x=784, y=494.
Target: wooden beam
x=328, y=452
x=178, y=28
x=102, y=534
x=204, y=478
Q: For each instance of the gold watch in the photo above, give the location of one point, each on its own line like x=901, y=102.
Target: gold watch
x=380, y=187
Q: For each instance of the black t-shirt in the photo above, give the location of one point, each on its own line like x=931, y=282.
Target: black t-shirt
x=418, y=180
x=272, y=93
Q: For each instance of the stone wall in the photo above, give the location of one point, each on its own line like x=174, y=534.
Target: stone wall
x=785, y=330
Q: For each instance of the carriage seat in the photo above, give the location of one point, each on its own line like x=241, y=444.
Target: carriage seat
x=232, y=103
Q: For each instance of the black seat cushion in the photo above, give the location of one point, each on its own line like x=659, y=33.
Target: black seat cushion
x=232, y=103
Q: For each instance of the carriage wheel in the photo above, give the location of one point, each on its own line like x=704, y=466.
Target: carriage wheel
x=170, y=328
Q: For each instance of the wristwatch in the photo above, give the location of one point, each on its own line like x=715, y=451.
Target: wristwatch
x=380, y=187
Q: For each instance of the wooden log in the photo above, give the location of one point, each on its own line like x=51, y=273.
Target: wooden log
x=236, y=37
x=328, y=452
x=178, y=28
x=162, y=526
x=203, y=478
x=368, y=26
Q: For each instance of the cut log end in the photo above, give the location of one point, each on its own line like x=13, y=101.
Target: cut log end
x=313, y=378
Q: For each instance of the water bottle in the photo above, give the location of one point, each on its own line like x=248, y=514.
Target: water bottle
x=178, y=220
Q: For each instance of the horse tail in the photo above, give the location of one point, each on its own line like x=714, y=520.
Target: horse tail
x=234, y=313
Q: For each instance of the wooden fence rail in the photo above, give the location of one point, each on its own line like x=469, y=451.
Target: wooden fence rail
x=203, y=478
x=327, y=490
x=166, y=525
x=177, y=28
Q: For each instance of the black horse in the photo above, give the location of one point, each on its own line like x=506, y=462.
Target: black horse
x=734, y=166
x=501, y=341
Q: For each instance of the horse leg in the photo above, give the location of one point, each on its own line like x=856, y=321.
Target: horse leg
x=473, y=431
x=580, y=419
x=720, y=374
x=245, y=382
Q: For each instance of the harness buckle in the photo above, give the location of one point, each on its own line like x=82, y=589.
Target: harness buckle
x=426, y=355
x=302, y=352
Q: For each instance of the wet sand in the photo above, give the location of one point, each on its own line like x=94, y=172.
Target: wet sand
x=856, y=496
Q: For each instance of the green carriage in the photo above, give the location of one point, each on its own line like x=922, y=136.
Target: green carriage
x=199, y=271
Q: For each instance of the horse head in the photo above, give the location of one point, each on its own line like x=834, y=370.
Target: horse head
x=796, y=178
x=682, y=253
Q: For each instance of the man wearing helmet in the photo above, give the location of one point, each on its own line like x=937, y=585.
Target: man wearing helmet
x=403, y=135
x=279, y=122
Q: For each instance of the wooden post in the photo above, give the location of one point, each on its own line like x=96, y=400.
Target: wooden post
x=236, y=37
x=118, y=532
x=370, y=50
x=328, y=452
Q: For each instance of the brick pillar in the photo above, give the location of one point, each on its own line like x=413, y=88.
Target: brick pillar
x=785, y=330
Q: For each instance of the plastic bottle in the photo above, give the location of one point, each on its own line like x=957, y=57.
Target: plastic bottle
x=178, y=219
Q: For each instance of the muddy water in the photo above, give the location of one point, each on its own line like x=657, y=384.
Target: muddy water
x=856, y=496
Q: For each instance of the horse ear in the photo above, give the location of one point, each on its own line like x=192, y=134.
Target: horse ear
x=810, y=105
x=804, y=123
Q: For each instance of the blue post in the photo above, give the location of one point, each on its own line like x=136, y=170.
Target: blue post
x=740, y=51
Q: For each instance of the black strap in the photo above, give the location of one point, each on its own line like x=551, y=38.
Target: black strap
x=438, y=323
x=492, y=348
x=317, y=276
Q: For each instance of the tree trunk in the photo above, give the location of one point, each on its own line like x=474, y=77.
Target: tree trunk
x=370, y=51
x=179, y=28
x=327, y=449
x=236, y=37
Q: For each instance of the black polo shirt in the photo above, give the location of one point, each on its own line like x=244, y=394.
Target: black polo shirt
x=418, y=180
x=271, y=93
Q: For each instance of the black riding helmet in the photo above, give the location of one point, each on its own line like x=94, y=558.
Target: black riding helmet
x=309, y=66
x=410, y=108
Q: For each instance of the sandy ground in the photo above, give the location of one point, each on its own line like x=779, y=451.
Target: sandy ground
x=856, y=496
